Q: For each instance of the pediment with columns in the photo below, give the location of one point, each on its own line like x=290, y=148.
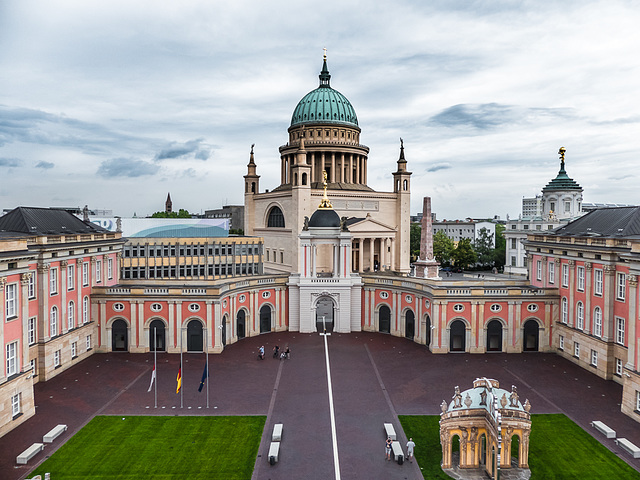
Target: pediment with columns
x=371, y=227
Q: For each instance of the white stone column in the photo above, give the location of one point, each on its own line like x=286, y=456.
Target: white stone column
x=372, y=246
x=633, y=319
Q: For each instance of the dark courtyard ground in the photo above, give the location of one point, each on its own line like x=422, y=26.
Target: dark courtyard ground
x=375, y=378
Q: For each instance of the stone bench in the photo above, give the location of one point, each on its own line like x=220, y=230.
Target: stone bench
x=54, y=433
x=276, y=436
x=274, y=453
x=29, y=453
x=398, y=455
x=390, y=431
x=604, y=429
x=629, y=447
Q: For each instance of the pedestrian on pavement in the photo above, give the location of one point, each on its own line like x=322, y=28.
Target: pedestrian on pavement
x=387, y=448
x=410, y=446
x=287, y=352
x=261, y=353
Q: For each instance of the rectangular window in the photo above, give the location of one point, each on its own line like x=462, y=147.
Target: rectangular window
x=85, y=274
x=581, y=279
x=621, y=284
x=88, y=342
x=597, y=322
x=32, y=285
x=576, y=349
x=565, y=275
x=53, y=281
x=561, y=344
x=539, y=270
x=74, y=349
x=98, y=271
x=11, y=300
x=597, y=282
x=594, y=358
x=564, y=310
x=12, y=358
x=513, y=244
x=619, y=367
x=31, y=330
x=71, y=315
x=580, y=316
x=552, y=272
x=53, y=320
x=15, y=404
x=85, y=310
x=71, y=277
x=637, y=401
x=32, y=366
x=513, y=260
x=110, y=268
x=620, y=330
x=56, y=358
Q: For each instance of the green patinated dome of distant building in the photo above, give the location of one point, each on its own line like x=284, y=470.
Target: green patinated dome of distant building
x=324, y=105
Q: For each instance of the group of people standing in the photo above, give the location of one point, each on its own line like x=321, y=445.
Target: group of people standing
x=410, y=446
x=285, y=355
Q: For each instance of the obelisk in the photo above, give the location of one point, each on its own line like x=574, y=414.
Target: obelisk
x=426, y=265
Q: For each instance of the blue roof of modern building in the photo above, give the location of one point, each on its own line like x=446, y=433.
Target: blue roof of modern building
x=324, y=105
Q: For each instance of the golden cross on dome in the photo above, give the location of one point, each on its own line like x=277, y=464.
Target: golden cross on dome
x=325, y=53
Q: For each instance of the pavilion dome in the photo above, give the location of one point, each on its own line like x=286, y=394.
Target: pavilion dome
x=324, y=218
x=324, y=105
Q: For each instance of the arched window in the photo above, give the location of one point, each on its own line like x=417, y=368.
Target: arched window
x=304, y=179
x=597, y=322
x=54, y=321
x=71, y=315
x=565, y=311
x=276, y=218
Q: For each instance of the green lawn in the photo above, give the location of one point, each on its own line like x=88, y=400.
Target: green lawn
x=558, y=449
x=160, y=448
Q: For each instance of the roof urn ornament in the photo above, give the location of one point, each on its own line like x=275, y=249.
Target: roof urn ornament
x=467, y=400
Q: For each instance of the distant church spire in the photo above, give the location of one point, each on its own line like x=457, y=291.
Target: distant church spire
x=168, y=205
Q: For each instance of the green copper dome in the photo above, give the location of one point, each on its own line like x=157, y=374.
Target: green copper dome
x=324, y=104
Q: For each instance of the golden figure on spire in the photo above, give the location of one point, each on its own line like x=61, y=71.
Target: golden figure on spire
x=325, y=53
x=561, y=153
x=325, y=204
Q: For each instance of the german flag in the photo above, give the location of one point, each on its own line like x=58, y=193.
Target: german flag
x=179, y=379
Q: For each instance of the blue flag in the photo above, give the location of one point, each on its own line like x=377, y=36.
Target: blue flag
x=205, y=374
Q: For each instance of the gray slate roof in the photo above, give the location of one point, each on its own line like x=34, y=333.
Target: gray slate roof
x=623, y=222
x=45, y=221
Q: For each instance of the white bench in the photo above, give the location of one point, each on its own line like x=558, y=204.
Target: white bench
x=274, y=452
x=631, y=448
x=390, y=431
x=54, y=433
x=602, y=428
x=276, y=436
x=398, y=455
x=29, y=453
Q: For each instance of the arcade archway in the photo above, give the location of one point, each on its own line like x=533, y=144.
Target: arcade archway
x=194, y=336
x=531, y=334
x=457, y=333
x=409, y=325
x=157, y=337
x=265, y=319
x=119, y=336
x=494, y=336
x=384, y=319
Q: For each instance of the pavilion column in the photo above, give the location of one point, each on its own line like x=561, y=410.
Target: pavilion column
x=364, y=170
x=283, y=163
x=360, y=254
x=350, y=167
x=393, y=254
x=313, y=260
x=372, y=246
x=342, y=172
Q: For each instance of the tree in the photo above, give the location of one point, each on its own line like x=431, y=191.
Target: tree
x=182, y=213
x=443, y=247
x=500, y=251
x=483, y=247
x=414, y=240
x=464, y=255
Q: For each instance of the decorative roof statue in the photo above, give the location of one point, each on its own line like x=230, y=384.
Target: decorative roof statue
x=325, y=204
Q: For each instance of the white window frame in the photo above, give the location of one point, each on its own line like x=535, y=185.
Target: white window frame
x=597, y=322
x=594, y=358
x=11, y=351
x=56, y=358
x=11, y=301
x=85, y=274
x=53, y=321
x=565, y=275
x=620, y=326
x=31, y=330
x=53, y=281
x=580, y=316
x=71, y=277
x=597, y=282
x=88, y=342
x=85, y=310
x=637, y=401
x=619, y=367
x=621, y=286
x=15, y=404
x=31, y=288
x=74, y=349
x=552, y=272
x=576, y=349
x=564, y=310
x=110, y=268
x=580, y=286
x=98, y=271
x=539, y=270
x=561, y=342
x=32, y=366
x=71, y=315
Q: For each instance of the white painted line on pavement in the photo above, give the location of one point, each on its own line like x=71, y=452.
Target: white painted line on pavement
x=334, y=437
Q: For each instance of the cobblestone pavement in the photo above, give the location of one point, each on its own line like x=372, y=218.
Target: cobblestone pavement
x=375, y=378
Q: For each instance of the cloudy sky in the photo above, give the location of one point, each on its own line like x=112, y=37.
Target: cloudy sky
x=115, y=103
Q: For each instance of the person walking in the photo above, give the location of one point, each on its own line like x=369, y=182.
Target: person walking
x=410, y=446
x=387, y=448
x=261, y=352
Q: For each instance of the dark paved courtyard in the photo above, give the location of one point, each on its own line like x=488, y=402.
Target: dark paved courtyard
x=375, y=377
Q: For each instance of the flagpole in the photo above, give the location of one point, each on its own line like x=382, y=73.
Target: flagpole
x=155, y=364
x=181, y=372
x=207, y=362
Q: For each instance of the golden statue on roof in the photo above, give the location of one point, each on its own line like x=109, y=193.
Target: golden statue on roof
x=325, y=204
